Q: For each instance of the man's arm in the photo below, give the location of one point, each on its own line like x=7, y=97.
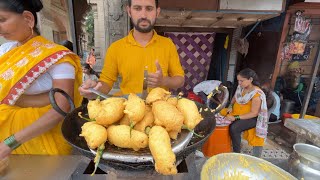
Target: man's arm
x=175, y=71
x=173, y=82
x=99, y=86
x=158, y=80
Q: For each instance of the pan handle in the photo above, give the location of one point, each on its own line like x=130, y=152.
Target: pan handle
x=224, y=90
x=54, y=103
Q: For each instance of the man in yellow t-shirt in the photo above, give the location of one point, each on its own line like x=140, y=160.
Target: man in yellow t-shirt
x=142, y=49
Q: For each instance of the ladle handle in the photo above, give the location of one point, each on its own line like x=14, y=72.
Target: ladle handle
x=54, y=103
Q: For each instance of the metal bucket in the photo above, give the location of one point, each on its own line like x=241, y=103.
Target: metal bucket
x=304, y=162
x=287, y=106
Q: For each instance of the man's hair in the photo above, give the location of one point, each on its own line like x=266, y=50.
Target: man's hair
x=157, y=3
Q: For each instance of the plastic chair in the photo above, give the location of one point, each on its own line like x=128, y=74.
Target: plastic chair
x=273, y=107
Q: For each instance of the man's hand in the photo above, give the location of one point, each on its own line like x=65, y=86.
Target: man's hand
x=84, y=88
x=156, y=79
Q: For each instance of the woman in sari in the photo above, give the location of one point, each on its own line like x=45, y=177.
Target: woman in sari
x=28, y=123
x=248, y=113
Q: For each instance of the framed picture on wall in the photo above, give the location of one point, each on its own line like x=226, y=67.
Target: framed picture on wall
x=306, y=54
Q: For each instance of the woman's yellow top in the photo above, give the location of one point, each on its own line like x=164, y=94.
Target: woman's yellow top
x=249, y=135
x=18, y=69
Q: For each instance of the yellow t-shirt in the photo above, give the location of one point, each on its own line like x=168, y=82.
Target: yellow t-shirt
x=128, y=59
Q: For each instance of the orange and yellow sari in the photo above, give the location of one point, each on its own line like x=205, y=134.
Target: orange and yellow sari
x=18, y=69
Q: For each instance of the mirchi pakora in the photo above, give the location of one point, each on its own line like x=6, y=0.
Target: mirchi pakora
x=120, y=136
x=190, y=112
x=135, y=108
x=157, y=94
x=173, y=101
x=167, y=115
x=160, y=147
x=106, y=112
x=94, y=134
x=147, y=120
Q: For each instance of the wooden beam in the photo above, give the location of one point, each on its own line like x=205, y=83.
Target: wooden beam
x=190, y=4
x=285, y=30
x=306, y=99
x=193, y=29
x=307, y=8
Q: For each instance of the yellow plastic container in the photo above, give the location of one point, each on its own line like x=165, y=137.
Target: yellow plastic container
x=296, y=116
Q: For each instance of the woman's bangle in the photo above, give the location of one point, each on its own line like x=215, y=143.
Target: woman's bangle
x=230, y=106
x=237, y=117
x=11, y=142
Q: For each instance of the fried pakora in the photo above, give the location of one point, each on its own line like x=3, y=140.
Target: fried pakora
x=125, y=120
x=167, y=115
x=174, y=134
x=135, y=108
x=94, y=134
x=190, y=112
x=160, y=147
x=120, y=137
x=173, y=100
x=147, y=120
x=157, y=94
x=106, y=112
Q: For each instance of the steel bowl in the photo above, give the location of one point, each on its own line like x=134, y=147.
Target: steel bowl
x=241, y=166
x=304, y=161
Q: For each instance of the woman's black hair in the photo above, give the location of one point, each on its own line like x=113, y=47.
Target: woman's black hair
x=18, y=6
x=67, y=44
x=87, y=66
x=91, y=71
x=249, y=73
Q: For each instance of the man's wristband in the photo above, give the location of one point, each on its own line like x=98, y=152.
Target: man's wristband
x=237, y=117
x=11, y=142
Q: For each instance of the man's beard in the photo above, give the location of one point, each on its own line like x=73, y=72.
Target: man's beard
x=143, y=30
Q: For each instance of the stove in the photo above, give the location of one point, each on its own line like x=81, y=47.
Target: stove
x=86, y=167
x=77, y=167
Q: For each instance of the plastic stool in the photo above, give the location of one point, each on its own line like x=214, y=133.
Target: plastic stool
x=218, y=142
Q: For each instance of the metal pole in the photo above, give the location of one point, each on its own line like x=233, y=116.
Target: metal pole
x=72, y=25
x=310, y=87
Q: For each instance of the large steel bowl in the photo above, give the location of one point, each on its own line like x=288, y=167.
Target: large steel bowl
x=304, y=162
x=229, y=166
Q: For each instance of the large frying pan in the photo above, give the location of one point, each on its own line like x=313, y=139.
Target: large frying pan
x=71, y=128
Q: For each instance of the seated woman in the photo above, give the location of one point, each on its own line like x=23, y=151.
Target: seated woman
x=28, y=123
x=248, y=113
